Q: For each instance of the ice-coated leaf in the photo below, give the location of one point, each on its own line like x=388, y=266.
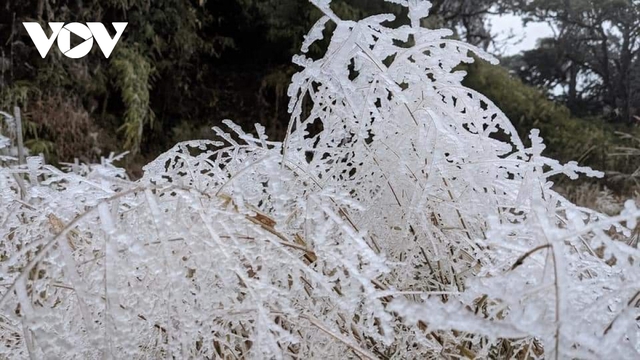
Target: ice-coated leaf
x=315, y=33
x=402, y=217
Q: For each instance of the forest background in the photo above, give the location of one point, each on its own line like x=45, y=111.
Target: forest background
x=182, y=66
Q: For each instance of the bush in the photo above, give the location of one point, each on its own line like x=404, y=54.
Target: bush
x=591, y=141
x=402, y=217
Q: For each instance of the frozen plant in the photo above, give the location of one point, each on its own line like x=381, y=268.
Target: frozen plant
x=7, y=132
x=402, y=218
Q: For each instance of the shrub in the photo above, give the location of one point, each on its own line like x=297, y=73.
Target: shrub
x=402, y=217
x=587, y=140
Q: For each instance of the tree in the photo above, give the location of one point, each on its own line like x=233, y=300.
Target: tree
x=588, y=140
x=402, y=218
x=162, y=48
x=467, y=18
x=594, y=56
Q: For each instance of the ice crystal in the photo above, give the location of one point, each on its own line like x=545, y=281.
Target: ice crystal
x=401, y=218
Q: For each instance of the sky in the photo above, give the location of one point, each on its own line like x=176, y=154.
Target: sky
x=513, y=37
x=524, y=38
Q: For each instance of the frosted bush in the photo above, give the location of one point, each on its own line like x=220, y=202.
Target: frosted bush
x=401, y=218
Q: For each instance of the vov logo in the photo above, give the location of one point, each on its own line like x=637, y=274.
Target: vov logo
x=62, y=32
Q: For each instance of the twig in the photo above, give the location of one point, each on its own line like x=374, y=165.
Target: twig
x=315, y=322
x=18, y=119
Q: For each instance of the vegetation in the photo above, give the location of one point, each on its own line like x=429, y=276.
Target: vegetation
x=591, y=141
x=402, y=217
x=182, y=66
x=593, y=57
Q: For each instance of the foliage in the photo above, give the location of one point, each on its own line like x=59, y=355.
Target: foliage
x=402, y=217
x=116, y=92
x=591, y=141
x=8, y=131
x=467, y=18
x=132, y=74
x=594, y=56
x=209, y=58
x=630, y=150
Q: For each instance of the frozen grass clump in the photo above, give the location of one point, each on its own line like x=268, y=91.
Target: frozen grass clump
x=401, y=218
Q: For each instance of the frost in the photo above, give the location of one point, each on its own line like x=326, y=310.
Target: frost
x=8, y=127
x=402, y=218
x=315, y=33
x=4, y=142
